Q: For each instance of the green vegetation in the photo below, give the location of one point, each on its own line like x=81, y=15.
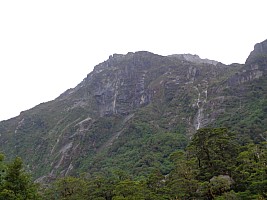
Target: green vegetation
x=246, y=113
x=213, y=166
x=139, y=151
x=129, y=127
x=15, y=183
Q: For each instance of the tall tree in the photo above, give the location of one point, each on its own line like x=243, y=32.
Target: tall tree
x=251, y=173
x=16, y=183
x=182, y=181
x=215, y=150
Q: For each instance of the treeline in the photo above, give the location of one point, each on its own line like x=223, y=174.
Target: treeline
x=213, y=166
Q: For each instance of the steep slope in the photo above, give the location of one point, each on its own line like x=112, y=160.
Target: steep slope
x=245, y=109
x=132, y=111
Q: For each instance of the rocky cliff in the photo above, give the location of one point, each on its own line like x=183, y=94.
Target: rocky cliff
x=134, y=108
x=259, y=52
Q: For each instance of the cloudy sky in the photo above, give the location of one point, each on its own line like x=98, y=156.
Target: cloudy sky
x=49, y=46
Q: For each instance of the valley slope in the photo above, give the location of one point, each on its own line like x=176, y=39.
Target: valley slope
x=132, y=111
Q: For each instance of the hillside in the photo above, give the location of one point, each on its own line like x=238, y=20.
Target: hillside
x=132, y=111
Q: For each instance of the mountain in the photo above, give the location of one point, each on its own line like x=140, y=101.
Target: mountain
x=132, y=111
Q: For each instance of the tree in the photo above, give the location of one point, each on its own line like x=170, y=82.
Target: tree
x=16, y=183
x=67, y=188
x=182, y=180
x=128, y=190
x=156, y=186
x=215, y=151
x=251, y=173
x=101, y=187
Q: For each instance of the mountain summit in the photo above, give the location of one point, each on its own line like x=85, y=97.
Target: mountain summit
x=132, y=111
x=260, y=51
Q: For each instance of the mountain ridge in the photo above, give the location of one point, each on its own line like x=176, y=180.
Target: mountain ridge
x=133, y=108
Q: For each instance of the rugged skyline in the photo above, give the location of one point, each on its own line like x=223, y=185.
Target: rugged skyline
x=48, y=47
x=137, y=106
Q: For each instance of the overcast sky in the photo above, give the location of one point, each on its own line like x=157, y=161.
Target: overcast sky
x=49, y=46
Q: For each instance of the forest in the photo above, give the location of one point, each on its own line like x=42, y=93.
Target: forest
x=214, y=165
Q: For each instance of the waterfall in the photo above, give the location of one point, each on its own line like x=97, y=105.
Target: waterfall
x=200, y=105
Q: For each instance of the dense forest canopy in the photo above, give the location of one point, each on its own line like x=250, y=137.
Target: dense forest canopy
x=213, y=166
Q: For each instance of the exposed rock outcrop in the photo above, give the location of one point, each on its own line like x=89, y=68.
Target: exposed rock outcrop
x=259, y=52
x=138, y=93
x=193, y=58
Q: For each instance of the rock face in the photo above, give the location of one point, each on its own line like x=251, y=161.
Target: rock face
x=194, y=59
x=128, y=100
x=115, y=76
x=260, y=50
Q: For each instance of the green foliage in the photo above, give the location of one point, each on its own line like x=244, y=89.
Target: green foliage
x=70, y=188
x=16, y=184
x=139, y=151
x=2, y=169
x=130, y=190
x=228, y=196
x=214, y=149
x=245, y=111
x=160, y=92
x=182, y=180
x=130, y=135
x=213, y=166
x=251, y=172
x=219, y=185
